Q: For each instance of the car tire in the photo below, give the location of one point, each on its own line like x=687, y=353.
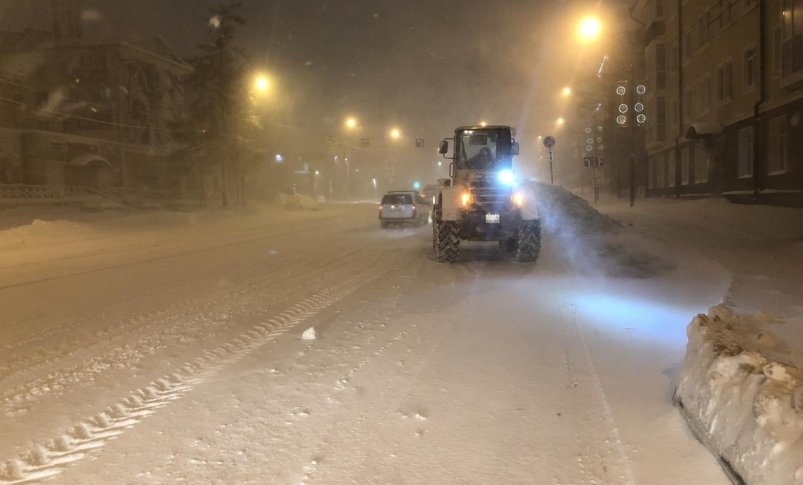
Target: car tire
x=528, y=241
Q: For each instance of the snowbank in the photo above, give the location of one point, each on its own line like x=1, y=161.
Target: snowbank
x=299, y=202
x=592, y=243
x=744, y=405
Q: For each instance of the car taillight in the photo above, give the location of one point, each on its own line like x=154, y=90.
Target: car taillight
x=413, y=210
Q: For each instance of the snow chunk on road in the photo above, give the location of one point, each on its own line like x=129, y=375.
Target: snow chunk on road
x=309, y=334
x=743, y=404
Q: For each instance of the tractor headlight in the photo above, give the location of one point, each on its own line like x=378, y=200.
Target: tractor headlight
x=466, y=199
x=507, y=177
x=518, y=199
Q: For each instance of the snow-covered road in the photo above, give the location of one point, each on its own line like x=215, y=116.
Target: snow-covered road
x=144, y=352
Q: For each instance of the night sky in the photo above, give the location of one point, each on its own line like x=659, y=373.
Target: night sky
x=425, y=65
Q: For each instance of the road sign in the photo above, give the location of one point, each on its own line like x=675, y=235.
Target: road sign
x=549, y=141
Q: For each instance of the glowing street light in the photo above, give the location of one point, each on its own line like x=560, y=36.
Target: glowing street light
x=483, y=123
x=351, y=123
x=262, y=84
x=589, y=28
x=560, y=121
x=566, y=91
x=395, y=133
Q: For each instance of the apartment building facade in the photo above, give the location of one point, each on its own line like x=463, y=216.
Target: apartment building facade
x=726, y=103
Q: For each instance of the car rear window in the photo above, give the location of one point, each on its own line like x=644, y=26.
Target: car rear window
x=397, y=199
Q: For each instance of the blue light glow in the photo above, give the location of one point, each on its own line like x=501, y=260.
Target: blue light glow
x=507, y=177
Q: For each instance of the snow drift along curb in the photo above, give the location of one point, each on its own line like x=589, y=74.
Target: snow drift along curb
x=745, y=407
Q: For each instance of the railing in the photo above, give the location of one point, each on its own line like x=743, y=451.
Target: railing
x=25, y=191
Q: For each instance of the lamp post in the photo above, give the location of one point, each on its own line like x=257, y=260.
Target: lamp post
x=351, y=125
x=589, y=30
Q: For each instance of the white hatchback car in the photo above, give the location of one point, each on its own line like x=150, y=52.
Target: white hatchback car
x=403, y=208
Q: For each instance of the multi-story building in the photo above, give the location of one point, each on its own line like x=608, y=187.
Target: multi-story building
x=725, y=98
x=605, y=142
x=95, y=115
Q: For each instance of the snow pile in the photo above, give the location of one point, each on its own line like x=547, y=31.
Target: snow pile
x=559, y=206
x=591, y=242
x=299, y=202
x=39, y=231
x=745, y=406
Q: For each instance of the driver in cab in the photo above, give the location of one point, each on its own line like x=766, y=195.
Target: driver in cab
x=481, y=160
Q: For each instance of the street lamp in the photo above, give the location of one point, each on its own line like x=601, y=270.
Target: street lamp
x=351, y=123
x=483, y=123
x=589, y=28
x=395, y=133
x=560, y=121
x=262, y=84
x=566, y=91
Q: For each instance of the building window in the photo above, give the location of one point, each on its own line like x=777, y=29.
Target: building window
x=778, y=145
x=660, y=118
x=751, y=67
x=725, y=82
x=702, y=165
x=684, y=166
x=705, y=95
x=688, y=109
x=746, y=152
x=776, y=52
x=660, y=66
x=675, y=108
x=792, y=37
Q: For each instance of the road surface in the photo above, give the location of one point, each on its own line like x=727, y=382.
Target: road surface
x=156, y=352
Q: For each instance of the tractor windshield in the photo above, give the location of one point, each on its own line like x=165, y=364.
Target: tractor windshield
x=483, y=149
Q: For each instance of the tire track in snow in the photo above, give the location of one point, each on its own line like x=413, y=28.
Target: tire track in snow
x=596, y=457
x=57, y=381
x=50, y=458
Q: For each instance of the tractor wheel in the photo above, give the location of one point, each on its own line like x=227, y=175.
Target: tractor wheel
x=508, y=245
x=529, y=241
x=445, y=240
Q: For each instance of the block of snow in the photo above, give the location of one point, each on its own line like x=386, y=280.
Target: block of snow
x=739, y=401
x=309, y=334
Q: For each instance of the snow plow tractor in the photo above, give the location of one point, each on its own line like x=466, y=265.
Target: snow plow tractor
x=483, y=200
